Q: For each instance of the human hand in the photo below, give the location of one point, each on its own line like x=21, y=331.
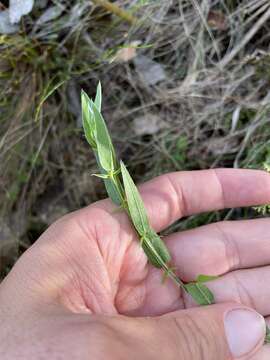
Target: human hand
x=84, y=290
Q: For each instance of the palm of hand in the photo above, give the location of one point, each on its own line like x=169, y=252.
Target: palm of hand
x=98, y=266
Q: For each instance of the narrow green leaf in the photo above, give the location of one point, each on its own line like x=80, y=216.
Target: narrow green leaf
x=105, y=149
x=88, y=120
x=154, y=257
x=98, y=99
x=112, y=192
x=205, y=278
x=135, y=204
x=159, y=246
x=99, y=139
x=151, y=242
x=200, y=293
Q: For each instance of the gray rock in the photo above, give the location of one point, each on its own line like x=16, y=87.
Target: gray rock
x=5, y=25
x=19, y=8
x=148, y=124
x=150, y=71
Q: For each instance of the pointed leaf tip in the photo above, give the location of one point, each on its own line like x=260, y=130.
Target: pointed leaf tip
x=205, y=278
x=98, y=98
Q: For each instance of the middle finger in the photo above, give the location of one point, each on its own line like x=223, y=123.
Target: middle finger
x=221, y=247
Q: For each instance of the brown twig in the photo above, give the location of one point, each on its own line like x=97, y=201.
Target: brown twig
x=116, y=10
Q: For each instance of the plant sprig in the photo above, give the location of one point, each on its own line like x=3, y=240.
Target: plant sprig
x=124, y=193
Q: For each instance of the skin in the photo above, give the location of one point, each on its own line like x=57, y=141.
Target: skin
x=84, y=290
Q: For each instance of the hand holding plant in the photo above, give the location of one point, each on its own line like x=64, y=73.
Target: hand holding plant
x=85, y=289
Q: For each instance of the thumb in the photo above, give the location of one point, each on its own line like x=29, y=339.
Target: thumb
x=224, y=332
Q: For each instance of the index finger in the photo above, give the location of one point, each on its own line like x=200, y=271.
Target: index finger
x=172, y=196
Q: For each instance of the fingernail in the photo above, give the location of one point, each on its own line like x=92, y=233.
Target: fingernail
x=244, y=329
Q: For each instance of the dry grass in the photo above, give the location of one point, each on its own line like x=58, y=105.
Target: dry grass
x=214, y=101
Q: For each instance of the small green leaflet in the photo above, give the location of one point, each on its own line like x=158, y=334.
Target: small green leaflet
x=152, y=255
x=93, y=134
x=98, y=98
x=200, y=293
x=156, y=258
x=96, y=131
x=151, y=242
x=88, y=120
x=205, y=278
x=159, y=246
x=135, y=204
x=105, y=148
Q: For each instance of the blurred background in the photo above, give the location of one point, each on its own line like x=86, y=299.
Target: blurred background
x=186, y=85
